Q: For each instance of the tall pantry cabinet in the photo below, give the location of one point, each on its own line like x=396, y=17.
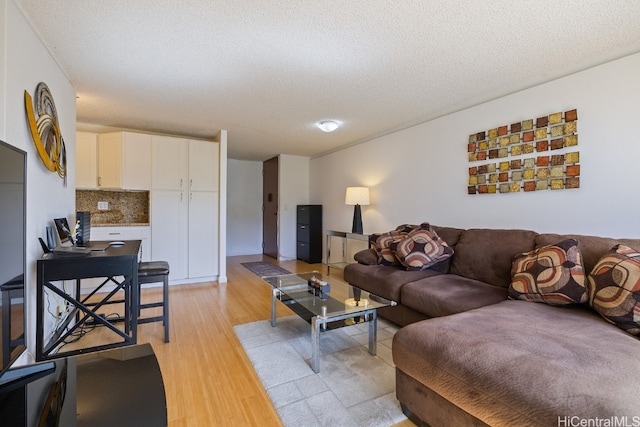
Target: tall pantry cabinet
x=185, y=206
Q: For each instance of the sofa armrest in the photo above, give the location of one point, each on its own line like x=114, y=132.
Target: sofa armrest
x=367, y=257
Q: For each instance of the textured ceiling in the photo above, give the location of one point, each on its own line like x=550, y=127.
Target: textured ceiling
x=268, y=70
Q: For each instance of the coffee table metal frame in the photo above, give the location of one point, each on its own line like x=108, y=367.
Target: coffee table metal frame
x=319, y=322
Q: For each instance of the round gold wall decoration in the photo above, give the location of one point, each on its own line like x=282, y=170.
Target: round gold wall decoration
x=45, y=129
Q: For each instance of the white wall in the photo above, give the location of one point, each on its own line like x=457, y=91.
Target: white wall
x=244, y=204
x=26, y=62
x=293, y=190
x=420, y=174
x=244, y=231
x=3, y=68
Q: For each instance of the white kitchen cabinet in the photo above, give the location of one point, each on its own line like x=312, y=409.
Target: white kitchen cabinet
x=204, y=159
x=203, y=233
x=169, y=232
x=136, y=161
x=86, y=160
x=119, y=233
x=169, y=163
x=185, y=206
x=124, y=160
x=110, y=160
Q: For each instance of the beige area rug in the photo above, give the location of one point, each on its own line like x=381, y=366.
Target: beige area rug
x=353, y=388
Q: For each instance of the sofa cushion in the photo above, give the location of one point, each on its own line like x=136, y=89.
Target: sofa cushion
x=551, y=274
x=517, y=363
x=450, y=235
x=420, y=249
x=614, y=288
x=381, y=243
x=366, y=257
x=382, y=280
x=447, y=294
x=592, y=248
x=486, y=255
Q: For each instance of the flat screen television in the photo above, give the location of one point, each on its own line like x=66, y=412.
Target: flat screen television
x=12, y=253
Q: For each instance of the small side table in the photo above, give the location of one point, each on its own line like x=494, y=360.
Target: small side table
x=346, y=237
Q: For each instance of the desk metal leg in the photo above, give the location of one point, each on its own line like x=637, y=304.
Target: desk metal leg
x=39, y=313
x=78, y=295
x=134, y=301
x=126, y=287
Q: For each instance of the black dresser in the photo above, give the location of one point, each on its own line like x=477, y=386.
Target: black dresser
x=309, y=233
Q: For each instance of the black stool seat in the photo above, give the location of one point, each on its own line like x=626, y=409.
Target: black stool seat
x=152, y=268
x=152, y=272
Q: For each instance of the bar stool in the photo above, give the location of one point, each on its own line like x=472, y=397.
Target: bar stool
x=154, y=272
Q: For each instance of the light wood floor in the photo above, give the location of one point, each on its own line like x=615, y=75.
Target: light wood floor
x=208, y=378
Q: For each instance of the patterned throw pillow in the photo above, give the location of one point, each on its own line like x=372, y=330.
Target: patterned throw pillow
x=421, y=248
x=551, y=274
x=614, y=288
x=407, y=228
x=382, y=244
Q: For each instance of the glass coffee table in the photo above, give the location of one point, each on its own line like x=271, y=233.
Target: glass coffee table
x=326, y=306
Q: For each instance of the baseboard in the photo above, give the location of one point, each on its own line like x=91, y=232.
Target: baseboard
x=193, y=280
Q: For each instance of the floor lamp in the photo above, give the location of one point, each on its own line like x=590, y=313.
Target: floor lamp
x=357, y=196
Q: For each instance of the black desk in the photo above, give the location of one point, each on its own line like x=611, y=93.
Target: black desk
x=118, y=387
x=109, y=264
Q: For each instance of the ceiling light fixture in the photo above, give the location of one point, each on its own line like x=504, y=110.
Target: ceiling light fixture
x=328, y=125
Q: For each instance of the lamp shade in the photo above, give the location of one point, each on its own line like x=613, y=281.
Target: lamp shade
x=357, y=196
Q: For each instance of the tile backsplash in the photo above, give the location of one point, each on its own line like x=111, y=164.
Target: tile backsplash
x=124, y=207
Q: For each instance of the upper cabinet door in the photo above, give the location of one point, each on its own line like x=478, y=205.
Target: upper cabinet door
x=136, y=161
x=169, y=163
x=204, y=165
x=86, y=160
x=110, y=160
x=124, y=160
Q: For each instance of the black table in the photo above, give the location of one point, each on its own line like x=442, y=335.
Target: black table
x=118, y=387
x=118, y=267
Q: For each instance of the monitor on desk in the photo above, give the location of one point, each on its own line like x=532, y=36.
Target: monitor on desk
x=64, y=232
x=67, y=246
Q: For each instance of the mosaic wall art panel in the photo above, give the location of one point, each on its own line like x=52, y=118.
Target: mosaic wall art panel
x=531, y=155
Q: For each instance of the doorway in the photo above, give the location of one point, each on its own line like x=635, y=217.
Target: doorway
x=270, y=207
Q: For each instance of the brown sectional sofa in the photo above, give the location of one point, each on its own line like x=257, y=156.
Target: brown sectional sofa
x=468, y=355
